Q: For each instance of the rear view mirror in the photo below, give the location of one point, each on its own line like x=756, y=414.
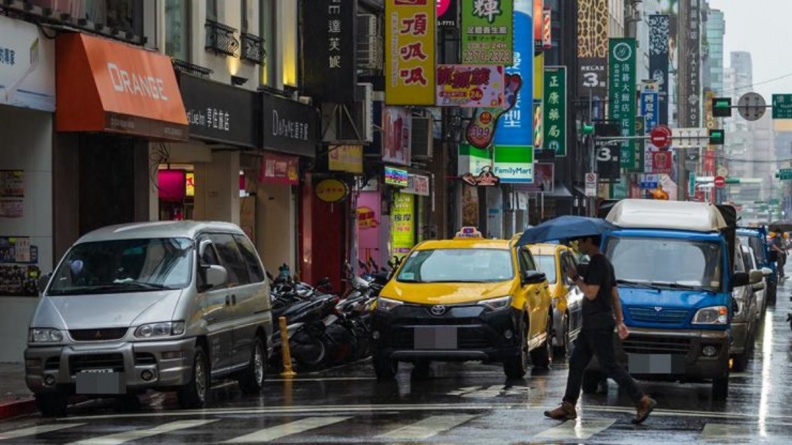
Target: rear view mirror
x=533, y=277
x=759, y=286
x=216, y=275
x=755, y=276
x=766, y=271
x=740, y=279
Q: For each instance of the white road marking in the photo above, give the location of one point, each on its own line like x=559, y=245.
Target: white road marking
x=126, y=436
x=276, y=432
x=575, y=429
x=36, y=430
x=720, y=432
x=426, y=428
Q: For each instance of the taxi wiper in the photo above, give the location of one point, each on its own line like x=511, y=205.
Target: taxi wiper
x=639, y=283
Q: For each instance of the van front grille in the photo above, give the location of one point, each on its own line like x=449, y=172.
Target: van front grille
x=102, y=334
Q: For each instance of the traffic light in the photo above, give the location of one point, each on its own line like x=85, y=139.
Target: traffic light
x=717, y=136
x=587, y=128
x=721, y=107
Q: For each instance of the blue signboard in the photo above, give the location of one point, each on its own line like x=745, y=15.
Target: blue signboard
x=649, y=109
x=515, y=126
x=647, y=181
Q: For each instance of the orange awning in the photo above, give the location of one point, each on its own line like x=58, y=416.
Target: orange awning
x=108, y=86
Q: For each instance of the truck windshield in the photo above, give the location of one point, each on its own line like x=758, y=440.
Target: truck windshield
x=457, y=266
x=119, y=266
x=675, y=263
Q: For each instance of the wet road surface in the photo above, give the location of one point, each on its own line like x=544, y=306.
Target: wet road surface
x=459, y=403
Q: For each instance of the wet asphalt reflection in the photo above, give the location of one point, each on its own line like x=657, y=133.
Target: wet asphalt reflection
x=457, y=403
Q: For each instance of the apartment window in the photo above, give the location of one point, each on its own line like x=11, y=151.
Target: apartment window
x=211, y=10
x=177, y=29
x=267, y=12
x=124, y=15
x=245, y=15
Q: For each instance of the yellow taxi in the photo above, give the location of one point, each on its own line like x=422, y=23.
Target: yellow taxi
x=467, y=298
x=567, y=299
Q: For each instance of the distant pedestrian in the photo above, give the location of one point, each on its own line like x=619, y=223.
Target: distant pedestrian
x=596, y=337
x=777, y=244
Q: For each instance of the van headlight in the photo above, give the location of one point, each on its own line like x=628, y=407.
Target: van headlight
x=45, y=335
x=496, y=304
x=161, y=329
x=386, y=304
x=712, y=315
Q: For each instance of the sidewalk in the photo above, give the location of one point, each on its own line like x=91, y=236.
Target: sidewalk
x=15, y=398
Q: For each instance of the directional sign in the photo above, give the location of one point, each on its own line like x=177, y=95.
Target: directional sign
x=782, y=106
x=751, y=106
x=660, y=136
x=690, y=137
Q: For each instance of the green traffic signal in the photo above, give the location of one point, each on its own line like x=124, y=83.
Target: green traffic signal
x=721, y=107
x=717, y=136
x=587, y=128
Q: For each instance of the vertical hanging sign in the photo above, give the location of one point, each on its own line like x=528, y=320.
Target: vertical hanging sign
x=555, y=113
x=658, y=62
x=410, y=52
x=693, y=58
x=538, y=6
x=621, y=105
x=487, y=35
x=330, y=68
x=547, y=28
x=592, y=47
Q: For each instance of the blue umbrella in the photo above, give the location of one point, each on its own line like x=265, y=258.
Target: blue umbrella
x=563, y=228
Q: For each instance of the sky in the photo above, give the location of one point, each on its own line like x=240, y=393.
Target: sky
x=761, y=27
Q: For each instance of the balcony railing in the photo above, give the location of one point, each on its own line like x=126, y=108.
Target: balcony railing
x=220, y=38
x=253, y=48
x=190, y=68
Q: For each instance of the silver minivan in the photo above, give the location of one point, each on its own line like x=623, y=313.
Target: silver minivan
x=166, y=305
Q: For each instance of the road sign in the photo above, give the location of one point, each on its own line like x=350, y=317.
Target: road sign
x=721, y=107
x=782, y=106
x=751, y=106
x=591, y=184
x=719, y=182
x=784, y=174
x=660, y=136
x=693, y=137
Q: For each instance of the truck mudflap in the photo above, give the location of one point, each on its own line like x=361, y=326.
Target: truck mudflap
x=691, y=355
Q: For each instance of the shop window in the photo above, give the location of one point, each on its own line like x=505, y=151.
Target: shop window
x=252, y=260
x=232, y=259
x=177, y=29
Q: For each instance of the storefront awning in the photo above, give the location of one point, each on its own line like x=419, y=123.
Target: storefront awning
x=105, y=86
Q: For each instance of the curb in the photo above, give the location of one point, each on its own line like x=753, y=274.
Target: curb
x=18, y=407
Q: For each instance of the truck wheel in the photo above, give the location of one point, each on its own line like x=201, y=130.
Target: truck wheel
x=195, y=393
x=515, y=367
x=251, y=380
x=384, y=367
x=543, y=355
x=720, y=388
x=52, y=404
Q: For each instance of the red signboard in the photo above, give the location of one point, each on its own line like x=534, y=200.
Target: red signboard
x=660, y=136
x=719, y=182
x=279, y=169
x=661, y=162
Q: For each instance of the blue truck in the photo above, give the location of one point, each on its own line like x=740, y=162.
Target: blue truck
x=674, y=264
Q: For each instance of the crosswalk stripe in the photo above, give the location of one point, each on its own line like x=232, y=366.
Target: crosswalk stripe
x=276, y=432
x=35, y=430
x=724, y=431
x=426, y=428
x=126, y=436
x=580, y=429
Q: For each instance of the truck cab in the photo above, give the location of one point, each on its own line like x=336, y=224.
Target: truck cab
x=674, y=263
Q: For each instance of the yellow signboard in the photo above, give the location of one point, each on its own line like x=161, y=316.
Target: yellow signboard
x=538, y=77
x=410, y=52
x=331, y=190
x=346, y=158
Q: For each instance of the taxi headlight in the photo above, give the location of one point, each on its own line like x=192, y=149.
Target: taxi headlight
x=158, y=330
x=386, y=304
x=45, y=335
x=496, y=304
x=712, y=315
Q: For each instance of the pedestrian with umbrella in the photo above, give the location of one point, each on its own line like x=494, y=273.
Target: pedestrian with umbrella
x=602, y=312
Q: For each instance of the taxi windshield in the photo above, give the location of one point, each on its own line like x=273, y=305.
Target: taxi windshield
x=547, y=265
x=457, y=266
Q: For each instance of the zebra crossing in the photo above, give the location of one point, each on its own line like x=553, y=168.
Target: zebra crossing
x=387, y=428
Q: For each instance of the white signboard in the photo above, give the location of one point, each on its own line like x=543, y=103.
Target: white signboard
x=591, y=184
x=27, y=66
x=417, y=185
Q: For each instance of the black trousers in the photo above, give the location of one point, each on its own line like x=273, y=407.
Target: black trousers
x=597, y=342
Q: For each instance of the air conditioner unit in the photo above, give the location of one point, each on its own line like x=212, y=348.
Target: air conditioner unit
x=369, y=43
x=421, y=137
x=339, y=122
x=364, y=111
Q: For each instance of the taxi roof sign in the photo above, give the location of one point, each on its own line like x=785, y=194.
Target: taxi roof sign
x=468, y=232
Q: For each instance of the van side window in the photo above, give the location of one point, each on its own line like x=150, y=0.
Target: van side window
x=206, y=257
x=526, y=260
x=251, y=258
x=231, y=258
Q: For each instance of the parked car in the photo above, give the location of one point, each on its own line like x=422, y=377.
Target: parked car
x=756, y=238
x=464, y=299
x=159, y=305
x=744, y=315
x=760, y=289
x=553, y=260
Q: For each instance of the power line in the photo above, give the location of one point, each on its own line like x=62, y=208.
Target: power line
x=755, y=84
x=757, y=161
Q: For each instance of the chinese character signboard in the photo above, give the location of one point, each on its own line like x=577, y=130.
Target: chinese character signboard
x=487, y=32
x=649, y=101
x=607, y=152
x=402, y=224
x=330, y=63
x=417, y=185
x=592, y=47
x=447, y=13
x=279, y=169
x=396, y=176
x=658, y=62
x=410, y=52
x=470, y=86
x=397, y=143
x=345, y=158
x=555, y=117
x=692, y=99
x=661, y=162
x=622, y=95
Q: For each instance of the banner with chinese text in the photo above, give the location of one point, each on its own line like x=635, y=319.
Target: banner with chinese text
x=515, y=125
x=470, y=86
x=487, y=35
x=555, y=113
x=330, y=67
x=621, y=82
x=410, y=52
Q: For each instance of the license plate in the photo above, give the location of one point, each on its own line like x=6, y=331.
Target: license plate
x=92, y=382
x=435, y=337
x=656, y=363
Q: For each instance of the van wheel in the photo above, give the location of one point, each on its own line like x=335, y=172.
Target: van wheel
x=251, y=380
x=384, y=367
x=515, y=367
x=720, y=388
x=543, y=355
x=195, y=393
x=52, y=404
